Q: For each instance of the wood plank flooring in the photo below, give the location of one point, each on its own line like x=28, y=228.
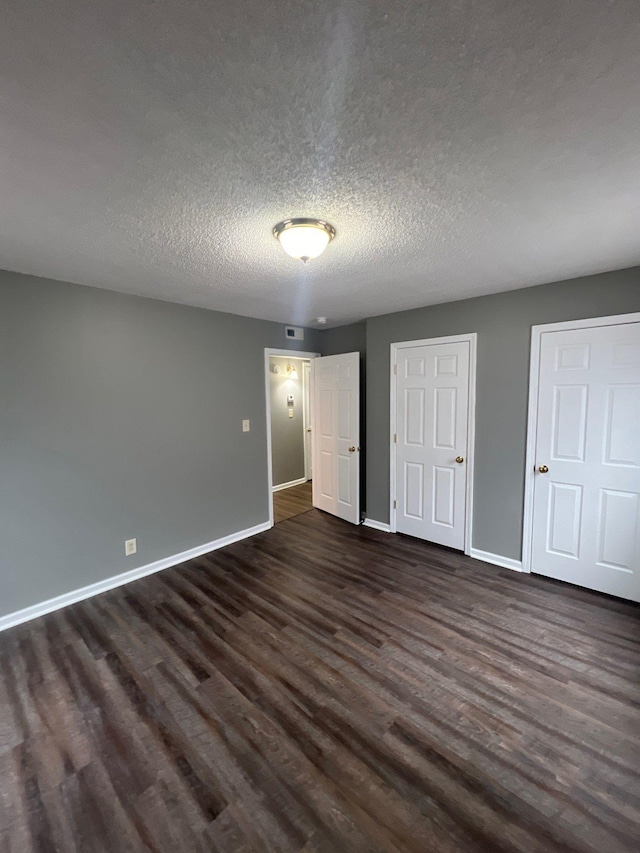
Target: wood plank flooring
x=323, y=687
x=291, y=502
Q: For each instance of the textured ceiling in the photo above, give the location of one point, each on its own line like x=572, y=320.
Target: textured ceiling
x=459, y=147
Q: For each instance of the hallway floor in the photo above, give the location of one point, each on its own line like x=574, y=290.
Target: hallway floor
x=291, y=502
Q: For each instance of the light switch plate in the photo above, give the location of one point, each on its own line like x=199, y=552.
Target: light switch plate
x=246, y=426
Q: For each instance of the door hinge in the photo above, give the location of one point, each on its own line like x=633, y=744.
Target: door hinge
x=395, y=438
x=395, y=504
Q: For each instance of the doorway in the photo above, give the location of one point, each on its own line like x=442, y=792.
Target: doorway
x=432, y=439
x=288, y=396
x=582, y=499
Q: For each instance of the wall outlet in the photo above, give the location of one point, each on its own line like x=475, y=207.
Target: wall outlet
x=290, y=412
x=130, y=547
x=246, y=426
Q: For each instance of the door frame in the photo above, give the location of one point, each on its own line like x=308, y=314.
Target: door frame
x=283, y=353
x=472, y=340
x=532, y=413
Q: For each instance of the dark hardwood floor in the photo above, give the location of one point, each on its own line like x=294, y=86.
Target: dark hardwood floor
x=322, y=687
x=291, y=502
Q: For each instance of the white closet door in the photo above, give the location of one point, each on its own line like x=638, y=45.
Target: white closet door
x=336, y=435
x=586, y=505
x=432, y=405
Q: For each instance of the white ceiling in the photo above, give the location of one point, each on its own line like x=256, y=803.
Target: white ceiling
x=459, y=147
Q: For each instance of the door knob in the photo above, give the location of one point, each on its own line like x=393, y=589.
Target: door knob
x=543, y=469
x=353, y=449
x=308, y=429
x=459, y=459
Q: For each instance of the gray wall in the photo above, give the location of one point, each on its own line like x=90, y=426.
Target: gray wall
x=503, y=324
x=287, y=434
x=122, y=417
x=350, y=338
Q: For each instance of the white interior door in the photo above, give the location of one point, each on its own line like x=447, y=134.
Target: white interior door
x=336, y=435
x=306, y=386
x=586, y=501
x=432, y=408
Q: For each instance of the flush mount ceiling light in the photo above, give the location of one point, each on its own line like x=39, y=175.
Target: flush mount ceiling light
x=304, y=238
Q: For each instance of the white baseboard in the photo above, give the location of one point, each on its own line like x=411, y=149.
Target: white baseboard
x=289, y=485
x=496, y=559
x=75, y=595
x=377, y=525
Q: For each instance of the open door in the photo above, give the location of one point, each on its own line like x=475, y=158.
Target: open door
x=336, y=435
x=308, y=446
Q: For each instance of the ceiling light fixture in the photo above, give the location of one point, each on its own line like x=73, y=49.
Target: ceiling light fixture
x=304, y=238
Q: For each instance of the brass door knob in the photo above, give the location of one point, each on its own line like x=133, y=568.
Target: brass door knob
x=352, y=450
x=308, y=429
x=543, y=469
x=459, y=459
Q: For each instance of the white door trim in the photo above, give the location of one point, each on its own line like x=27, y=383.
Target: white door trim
x=472, y=340
x=285, y=353
x=534, y=372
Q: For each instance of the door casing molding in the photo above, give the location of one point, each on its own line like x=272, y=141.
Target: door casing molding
x=472, y=340
x=532, y=416
x=284, y=353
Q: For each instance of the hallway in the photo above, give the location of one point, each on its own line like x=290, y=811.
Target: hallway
x=291, y=502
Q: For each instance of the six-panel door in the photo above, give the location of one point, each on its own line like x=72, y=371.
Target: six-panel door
x=336, y=435
x=586, y=527
x=432, y=402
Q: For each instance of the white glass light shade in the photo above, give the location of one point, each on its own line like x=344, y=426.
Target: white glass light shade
x=304, y=238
